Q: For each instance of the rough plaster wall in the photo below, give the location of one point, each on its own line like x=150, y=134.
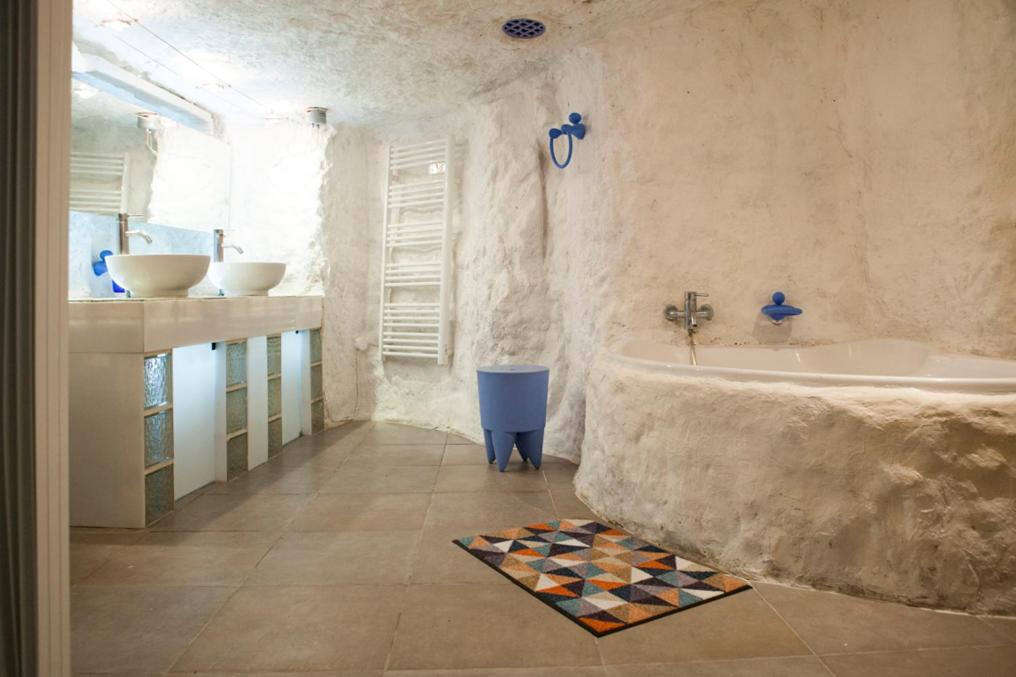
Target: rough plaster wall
x=733, y=149
x=277, y=209
x=190, y=185
x=350, y=199
x=897, y=493
x=931, y=107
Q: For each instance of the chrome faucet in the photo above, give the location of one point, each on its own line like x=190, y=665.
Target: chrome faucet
x=218, y=247
x=123, y=235
x=690, y=315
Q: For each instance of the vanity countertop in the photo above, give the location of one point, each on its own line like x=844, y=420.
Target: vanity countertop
x=148, y=325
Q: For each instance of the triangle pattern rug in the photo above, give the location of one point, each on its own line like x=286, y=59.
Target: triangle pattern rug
x=600, y=577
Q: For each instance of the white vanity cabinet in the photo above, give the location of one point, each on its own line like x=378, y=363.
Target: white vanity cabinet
x=167, y=395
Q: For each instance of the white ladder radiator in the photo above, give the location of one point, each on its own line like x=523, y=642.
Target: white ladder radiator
x=98, y=183
x=415, y=252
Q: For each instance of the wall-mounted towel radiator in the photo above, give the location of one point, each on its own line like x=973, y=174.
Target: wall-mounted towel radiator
x=415, y=255
x=98, y=183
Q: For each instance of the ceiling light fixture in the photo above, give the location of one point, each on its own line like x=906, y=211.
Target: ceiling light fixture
x=316, y=115
x=117, y=23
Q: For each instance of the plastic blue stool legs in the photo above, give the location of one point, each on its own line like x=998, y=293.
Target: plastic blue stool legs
x=531, y=446
x=489, y=442
x=503, y=443
x=500, y=444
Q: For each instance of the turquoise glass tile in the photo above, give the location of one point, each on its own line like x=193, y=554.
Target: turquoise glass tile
x=317, y=416
x=236, y=456
x=158, y=494
x=158, y=437
x=315, y=345
x=274, y=397
x=274, y=437
x=158, y=380
x=315, y=382
x=236, y=363
x=236, y=410
x=274, y=355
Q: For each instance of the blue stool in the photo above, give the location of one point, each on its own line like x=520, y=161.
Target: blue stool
x=513, y=411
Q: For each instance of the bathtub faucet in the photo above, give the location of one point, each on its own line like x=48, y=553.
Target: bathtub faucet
x=690, y=315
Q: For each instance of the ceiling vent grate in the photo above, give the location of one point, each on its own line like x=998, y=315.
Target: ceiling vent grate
x=523, y=29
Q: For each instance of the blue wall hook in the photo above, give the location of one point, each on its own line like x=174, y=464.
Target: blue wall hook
x=576, y=130
x=777, y=311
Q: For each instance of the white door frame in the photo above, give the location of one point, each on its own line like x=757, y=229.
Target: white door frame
x=53, y=127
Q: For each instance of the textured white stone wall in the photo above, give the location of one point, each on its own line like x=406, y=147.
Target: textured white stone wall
x=895, y=493
x=277, y=199
x=733, y=148
x=191, y=181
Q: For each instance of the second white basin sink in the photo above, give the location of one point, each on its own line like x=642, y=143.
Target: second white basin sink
x=246, y=278
x=157, y=275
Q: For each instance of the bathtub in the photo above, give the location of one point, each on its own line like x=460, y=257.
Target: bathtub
x=881, y=468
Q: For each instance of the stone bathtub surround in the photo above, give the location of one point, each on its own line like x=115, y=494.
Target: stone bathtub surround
x=895, y=493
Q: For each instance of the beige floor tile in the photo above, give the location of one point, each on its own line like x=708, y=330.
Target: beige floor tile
x=343, y=558
x=394, y=433
x=568, y=505
x=739, y=626
x=465, y=454
x=590, y=671
x=517, y=477
x=798, y=666
x=381, y=479
x=438, y=560
x=459, y=439
x=833, y=623
x=473, y=512
x=137, y=628
x=290, y=629
x=272, y=478
x=185, y=558
x=485, y=626
x=1003, y=626
x=316, y=673
x=362, y=512
x=957, y=662
x=398, y=454
x=559, y=475
x=91, y=548
x=235, y=512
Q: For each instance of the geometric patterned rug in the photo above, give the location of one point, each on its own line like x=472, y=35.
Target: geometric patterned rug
x=600, y=577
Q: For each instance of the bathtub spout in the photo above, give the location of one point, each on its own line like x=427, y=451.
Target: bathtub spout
x=690, y=315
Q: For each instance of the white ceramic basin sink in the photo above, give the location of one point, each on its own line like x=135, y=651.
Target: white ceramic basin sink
x=246, y=278
x=157, y=275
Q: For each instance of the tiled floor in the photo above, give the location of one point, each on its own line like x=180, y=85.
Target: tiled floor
x=335, y=559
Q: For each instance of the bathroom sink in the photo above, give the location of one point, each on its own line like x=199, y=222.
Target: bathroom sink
x=157, y=275
x=246, y=278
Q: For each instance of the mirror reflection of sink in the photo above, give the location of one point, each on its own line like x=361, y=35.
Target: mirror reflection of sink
x=157, y=275
x=246, y=278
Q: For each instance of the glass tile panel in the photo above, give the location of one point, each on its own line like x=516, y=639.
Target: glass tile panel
x=315, y=382
x=236, y=363
x=274, y=397
x=158, y=380
x=317, y=416
x=315, y=345
x=158, y=494
x=274, y=437
x=236, y=410
x=158, y=437
x=236, y=456
x=274, y=355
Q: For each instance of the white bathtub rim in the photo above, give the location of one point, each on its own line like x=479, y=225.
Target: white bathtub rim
x=992, y=386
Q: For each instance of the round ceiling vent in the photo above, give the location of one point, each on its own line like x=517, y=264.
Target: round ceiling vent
x=523, y=29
